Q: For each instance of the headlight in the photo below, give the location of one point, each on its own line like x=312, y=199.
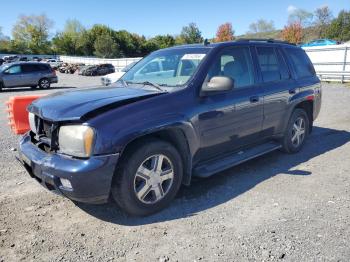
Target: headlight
x=76, y=140
x=31, y=118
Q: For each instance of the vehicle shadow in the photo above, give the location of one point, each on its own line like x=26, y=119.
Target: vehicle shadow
x=210, y=192
x=23, y=89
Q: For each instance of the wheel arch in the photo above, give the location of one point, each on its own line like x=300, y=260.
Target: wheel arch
x=173, y=135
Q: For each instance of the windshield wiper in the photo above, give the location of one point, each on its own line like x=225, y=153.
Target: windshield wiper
x=147, y=83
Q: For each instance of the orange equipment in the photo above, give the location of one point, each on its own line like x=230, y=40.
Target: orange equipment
x=17, y=112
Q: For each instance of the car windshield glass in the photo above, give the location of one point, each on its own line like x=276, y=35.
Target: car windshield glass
x=3, y=67
x=172, y=67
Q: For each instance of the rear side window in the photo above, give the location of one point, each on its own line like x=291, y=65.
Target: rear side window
x=28, y=68
x=272, y=65
x=301, y=62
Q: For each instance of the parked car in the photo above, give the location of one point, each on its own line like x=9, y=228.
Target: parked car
x=31, y=74
x=1, y=61
x=207, y=108
x=97, y=70
x=320, y=42
x=114, y=77
x=37, y=59
x=10, y=58
x=23, y=59
x=55, y=64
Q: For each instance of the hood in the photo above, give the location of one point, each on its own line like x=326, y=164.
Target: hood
x=85, y=103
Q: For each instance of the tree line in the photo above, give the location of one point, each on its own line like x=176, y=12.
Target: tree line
x=31, y=35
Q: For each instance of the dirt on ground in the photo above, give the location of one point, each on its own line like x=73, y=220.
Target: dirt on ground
x=278, y=207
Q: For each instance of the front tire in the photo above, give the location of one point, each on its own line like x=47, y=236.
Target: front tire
x=296, y=132
x=148, y=179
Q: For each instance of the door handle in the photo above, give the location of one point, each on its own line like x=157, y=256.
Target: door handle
x=254, y=99
x=292, y=91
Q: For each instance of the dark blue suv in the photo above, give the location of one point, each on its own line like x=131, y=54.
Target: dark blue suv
x=185, y=111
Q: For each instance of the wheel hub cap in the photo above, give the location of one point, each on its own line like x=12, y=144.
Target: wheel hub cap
x=153, y=179
x=298, y=131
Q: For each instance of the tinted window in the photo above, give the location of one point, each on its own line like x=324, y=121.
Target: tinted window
x=43, y=67
x=301, y=62
x=284, y=71
x=28, y=68
x=268, y=64
x=235, y=63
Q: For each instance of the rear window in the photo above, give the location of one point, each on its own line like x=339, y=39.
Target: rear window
x=301, y=62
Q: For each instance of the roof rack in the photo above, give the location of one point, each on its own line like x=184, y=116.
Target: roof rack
x=267, y=40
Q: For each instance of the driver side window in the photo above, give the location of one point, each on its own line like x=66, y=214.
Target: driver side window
x=235, y=63
x=13, y=70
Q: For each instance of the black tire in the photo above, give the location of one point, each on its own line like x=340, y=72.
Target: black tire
x=1, y=86
x=289, y=144
x=125, y=180
x=44, y=83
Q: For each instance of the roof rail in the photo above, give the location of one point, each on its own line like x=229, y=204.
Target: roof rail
x=267, y=40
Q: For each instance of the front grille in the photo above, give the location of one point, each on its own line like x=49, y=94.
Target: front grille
x=45, y=134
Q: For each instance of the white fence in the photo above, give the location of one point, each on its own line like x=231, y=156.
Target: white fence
x=118, y=63
x=332, y=63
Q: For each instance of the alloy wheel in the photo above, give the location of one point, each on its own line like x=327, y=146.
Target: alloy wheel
x=153, y=179
x=298, y=132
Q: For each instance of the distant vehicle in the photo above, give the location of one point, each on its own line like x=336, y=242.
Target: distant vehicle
x=10, y=58
x=97, y=70
x=37, y=59
x=31, y=74
x=23, y=59
x=54, y=63
x=1, y=61
x=320, y=42
x=114, y=77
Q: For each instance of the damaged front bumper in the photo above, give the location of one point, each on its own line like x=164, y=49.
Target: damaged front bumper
x=90, y=179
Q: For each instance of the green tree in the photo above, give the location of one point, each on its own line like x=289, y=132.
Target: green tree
x=190, y=34
x=163, y=41
x=339, y=29
x=105, y=46
x=261, y=26
x=31, y=33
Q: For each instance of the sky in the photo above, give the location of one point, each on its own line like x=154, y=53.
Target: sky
x=153, y=17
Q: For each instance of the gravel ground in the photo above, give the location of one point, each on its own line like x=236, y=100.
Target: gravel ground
x=277, y=207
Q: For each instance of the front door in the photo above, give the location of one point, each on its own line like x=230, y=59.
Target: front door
x=233, y=119
x=13, y=76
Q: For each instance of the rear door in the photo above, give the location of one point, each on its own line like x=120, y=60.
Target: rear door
x=31, y=74
x=278, y=87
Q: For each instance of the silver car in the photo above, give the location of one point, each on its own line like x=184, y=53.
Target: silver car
x=30, y=74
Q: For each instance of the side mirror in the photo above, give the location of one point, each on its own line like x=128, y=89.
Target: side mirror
x=218, y=84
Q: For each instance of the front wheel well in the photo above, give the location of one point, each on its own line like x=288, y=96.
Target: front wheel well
x=174, y=136
x=308, y=107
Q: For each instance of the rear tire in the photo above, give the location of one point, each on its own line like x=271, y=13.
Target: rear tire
x=148, y=179
x=296, y=132
x=44, y=83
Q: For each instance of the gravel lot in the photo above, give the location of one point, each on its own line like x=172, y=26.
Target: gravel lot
x=277, y=207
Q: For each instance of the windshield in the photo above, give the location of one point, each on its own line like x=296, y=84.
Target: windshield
x=3, y=67
x=172, y=67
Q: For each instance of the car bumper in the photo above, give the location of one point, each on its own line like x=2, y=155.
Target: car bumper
x=54, y=80
x=90, y=179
